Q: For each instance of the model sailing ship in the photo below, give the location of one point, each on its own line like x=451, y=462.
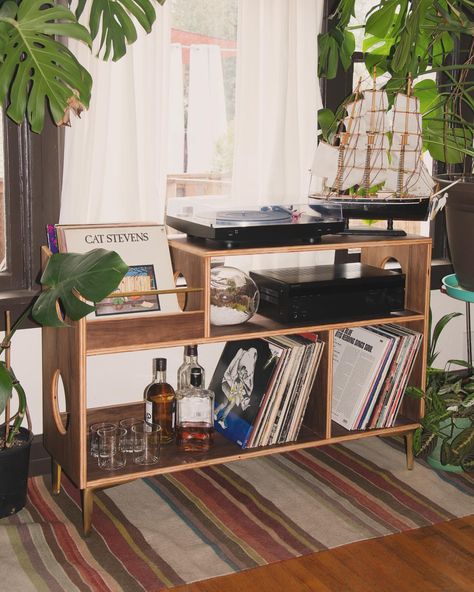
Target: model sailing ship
x=365, y=173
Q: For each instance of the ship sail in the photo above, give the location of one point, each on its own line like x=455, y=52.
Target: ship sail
x=361, y=156
x=407, y=175
x=364, y=159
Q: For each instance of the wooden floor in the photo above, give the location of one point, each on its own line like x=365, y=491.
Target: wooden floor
x=432, y=559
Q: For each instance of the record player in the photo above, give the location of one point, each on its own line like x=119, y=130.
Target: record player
x=270, y=224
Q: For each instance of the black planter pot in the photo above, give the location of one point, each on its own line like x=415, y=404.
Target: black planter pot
x=14, y=464
x=460, y=230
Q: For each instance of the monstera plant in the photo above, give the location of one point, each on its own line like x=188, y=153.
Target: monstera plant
x=414, y=42
x=70, y=283
x=39, y=72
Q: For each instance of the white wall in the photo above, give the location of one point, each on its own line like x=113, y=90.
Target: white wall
x=122, y=377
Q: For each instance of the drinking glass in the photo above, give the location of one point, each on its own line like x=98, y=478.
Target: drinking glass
x=111, y=453
x=94, y=440
x=129, y=442
x=147, y=440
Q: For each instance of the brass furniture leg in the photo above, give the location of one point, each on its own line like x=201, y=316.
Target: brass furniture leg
x=55, y=478
x=87, y=498
x=409, y=450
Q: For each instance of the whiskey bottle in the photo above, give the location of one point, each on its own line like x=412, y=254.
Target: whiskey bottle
x=190, y=362
x=194, y=416
x=160, y=402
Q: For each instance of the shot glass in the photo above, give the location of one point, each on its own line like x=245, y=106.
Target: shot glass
x=128, y=442
x=94, y=438
x=111, y=453
x=147, y=440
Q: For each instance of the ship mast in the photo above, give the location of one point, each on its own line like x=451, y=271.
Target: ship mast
x=345, y=138
x=370, y=137
x=404, y=142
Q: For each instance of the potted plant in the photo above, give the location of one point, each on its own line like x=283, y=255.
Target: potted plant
x=446, y=435
x=430, y=42
x=70, y=282
x=37, y=70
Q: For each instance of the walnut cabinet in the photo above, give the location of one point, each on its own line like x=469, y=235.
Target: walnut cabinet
x=65, y=353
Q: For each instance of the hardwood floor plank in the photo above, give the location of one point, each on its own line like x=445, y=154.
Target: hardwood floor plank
x=433, y=559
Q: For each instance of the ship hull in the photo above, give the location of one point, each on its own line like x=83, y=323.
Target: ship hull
x=372, y=209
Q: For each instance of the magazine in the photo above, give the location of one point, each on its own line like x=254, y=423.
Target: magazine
x=359, y=358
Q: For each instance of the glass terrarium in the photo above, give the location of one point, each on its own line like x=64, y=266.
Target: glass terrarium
x=234, y=296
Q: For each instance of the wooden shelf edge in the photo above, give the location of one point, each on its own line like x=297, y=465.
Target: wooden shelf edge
x=124, y=477
x=268, y=327
x=328, y=242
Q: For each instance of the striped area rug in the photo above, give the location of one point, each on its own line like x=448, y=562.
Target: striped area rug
x=160, y=532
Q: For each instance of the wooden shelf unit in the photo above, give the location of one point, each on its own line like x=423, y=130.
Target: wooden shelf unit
x=65, y=353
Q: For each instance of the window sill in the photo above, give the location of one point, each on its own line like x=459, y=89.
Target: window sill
x=16, y=301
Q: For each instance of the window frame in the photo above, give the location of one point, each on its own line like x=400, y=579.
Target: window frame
x=33, y=165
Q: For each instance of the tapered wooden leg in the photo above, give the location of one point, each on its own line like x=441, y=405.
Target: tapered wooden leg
x=409, y=450
x=87, y=497
x=55, y=478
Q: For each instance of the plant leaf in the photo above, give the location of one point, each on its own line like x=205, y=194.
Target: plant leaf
x=467, y=462
x=438, y=328
x=116, y=19
x=6, y=385
x=463, y=443
x=427, y=444
x=380, y=21
x=445, y=455
x=69, y=276
x=36, y=69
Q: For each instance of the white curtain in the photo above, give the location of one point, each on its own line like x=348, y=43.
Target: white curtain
x=207, y=121
x=176, y=111
x=277, y=99
x=115, y=158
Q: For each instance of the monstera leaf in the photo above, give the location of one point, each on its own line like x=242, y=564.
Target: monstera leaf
x=35, y=69
x=113, y=20
x=68, y=276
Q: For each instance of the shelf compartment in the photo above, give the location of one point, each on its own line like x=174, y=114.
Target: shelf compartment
x=223, y=450
x=172, y=460
x=146, y=332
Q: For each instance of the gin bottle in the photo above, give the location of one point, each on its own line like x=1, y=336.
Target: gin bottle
x=194, y=416
x=190, y=362
x=160, y=402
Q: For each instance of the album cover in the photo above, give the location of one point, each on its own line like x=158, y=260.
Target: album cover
x=144, y=248
x=240, y=382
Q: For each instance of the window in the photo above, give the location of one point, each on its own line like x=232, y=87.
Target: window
x=202, y=72
x=30, y=200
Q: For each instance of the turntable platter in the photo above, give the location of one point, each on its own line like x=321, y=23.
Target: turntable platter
x=262, y=216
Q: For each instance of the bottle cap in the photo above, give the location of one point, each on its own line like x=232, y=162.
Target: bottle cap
x=196, y=376
x=159, y=364
x=191, y=350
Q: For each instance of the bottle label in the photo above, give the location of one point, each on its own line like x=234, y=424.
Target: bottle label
x=195, y=409
x=149, y=412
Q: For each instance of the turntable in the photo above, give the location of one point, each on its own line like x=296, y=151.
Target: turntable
x=271, y=224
